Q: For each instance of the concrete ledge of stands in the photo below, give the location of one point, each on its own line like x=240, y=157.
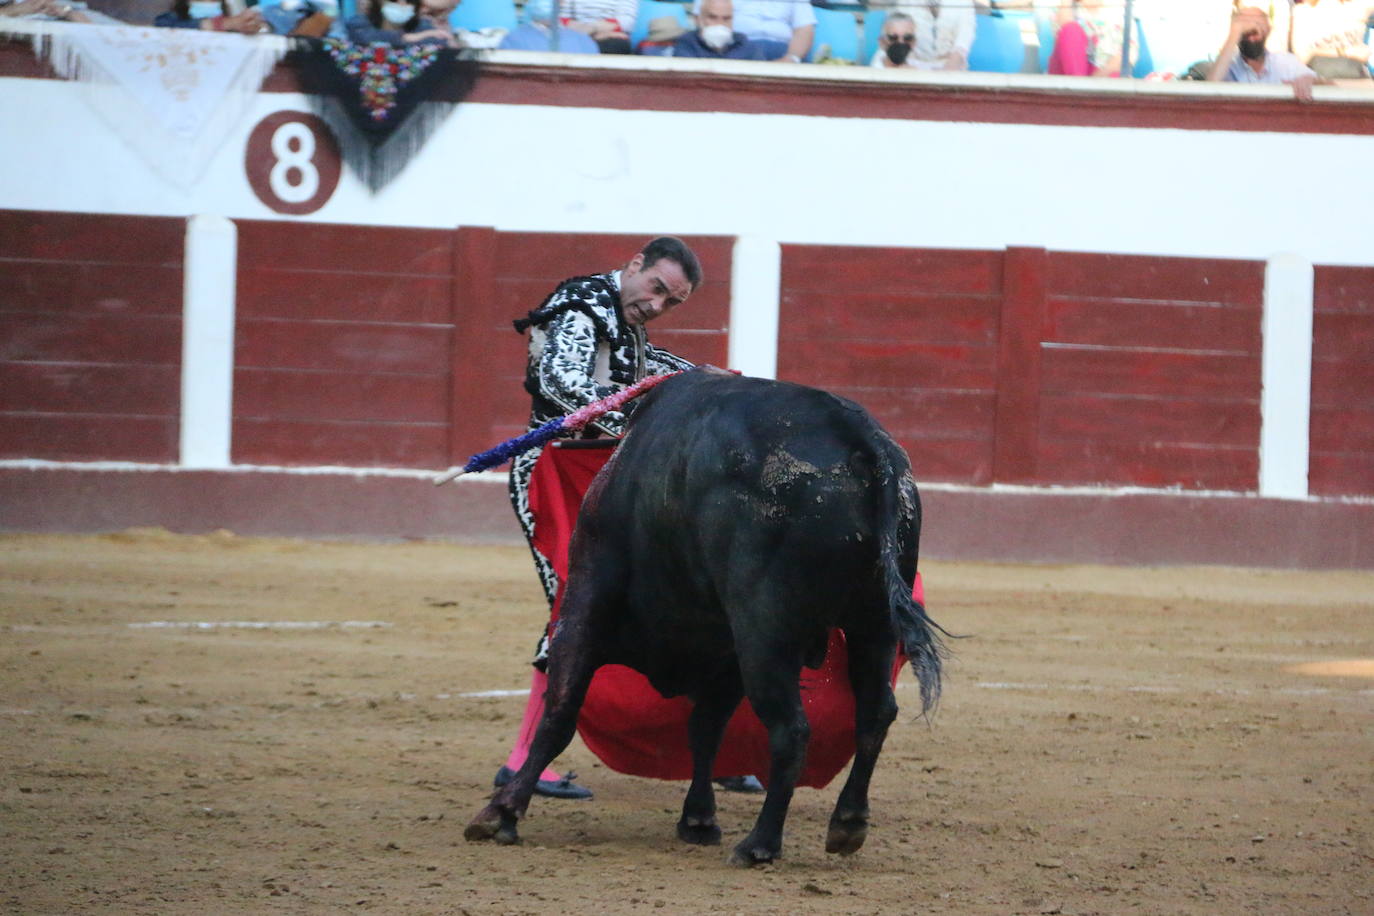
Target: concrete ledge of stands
x=1357, y=91
x=1008, y=524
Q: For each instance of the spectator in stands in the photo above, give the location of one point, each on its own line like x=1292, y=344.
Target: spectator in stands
x=663, y=33
x=929, y=35
x=784, y=28
x=312, y=18
x=715, y=35
x=1089, y=39
x=438, y=12
x=535, y=34
x=1245, y=59
x=212, y=15
x=606, y=22
x=396, y=23
x=45, y=9
x=896, y=42
x=1329, y=36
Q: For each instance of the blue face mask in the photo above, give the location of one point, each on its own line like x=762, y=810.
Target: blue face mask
x=205, y=9
x=538, y=10
x=397, y=13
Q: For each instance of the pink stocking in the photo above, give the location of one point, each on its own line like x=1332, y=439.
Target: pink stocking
x=534, y=711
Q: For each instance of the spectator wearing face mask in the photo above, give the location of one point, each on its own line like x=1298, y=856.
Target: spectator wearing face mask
x=715, y=35
x=391, y=22
x=927, y=35
x=785, y=28
x=211, y=15
x=1245, y=59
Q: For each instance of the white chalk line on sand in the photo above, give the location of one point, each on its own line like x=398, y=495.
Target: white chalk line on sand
x=520, y=692
x=206, y=625
x=1002, y=685
x=1144, y=688
x=259, y=625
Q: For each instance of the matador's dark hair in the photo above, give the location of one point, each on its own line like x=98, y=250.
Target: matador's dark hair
x=676, y=250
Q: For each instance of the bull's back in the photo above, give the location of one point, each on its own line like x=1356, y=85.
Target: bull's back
x=727, y=485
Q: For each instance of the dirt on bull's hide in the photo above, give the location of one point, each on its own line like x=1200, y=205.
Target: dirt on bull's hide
x=217, y=724
x=781, y=469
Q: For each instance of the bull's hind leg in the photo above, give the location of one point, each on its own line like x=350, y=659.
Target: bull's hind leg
x=771, y=685
x=499, y=818
x=706, y=727
x=572, y=662
x=870, y=670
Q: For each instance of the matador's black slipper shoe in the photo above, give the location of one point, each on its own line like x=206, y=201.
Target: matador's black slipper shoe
x=747, y=784
x=552, y=788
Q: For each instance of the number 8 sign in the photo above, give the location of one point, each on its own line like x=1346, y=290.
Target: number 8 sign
x=292, y=162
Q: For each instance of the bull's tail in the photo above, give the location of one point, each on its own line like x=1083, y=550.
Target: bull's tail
x=920, y=635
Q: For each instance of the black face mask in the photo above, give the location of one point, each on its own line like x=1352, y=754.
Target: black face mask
x=1251, y=49
x=898, y=51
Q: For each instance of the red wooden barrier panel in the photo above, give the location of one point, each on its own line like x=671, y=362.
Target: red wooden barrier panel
x=342, y=345
x=1038, y=367
x=909, y=333
x=90, y=336
x=1151, y=372
x=375, y=346
x=1342, y=427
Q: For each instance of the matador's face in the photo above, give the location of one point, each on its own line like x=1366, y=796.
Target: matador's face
x=648, y=292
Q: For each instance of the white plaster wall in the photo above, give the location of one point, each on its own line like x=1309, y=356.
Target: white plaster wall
x=780, y=177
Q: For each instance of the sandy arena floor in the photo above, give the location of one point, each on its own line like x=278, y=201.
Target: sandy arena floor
x=1110, y=741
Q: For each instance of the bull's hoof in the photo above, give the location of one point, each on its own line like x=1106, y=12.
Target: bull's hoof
x=846, y=837
x=748, y=855
x=492, y=824
x=699, y=831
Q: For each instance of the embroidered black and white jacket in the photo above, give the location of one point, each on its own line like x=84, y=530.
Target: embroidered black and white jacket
x=581, y=350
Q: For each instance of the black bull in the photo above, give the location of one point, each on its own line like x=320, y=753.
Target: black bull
x=739, y=520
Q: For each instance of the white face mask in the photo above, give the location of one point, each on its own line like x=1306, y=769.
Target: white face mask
x=205, y=9
x=397, y=13
x=717, y=37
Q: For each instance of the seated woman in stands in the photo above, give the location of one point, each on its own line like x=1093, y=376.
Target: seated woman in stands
x=396, y=23
x=212, y=15
x=606, y=22
x=1089, y=39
